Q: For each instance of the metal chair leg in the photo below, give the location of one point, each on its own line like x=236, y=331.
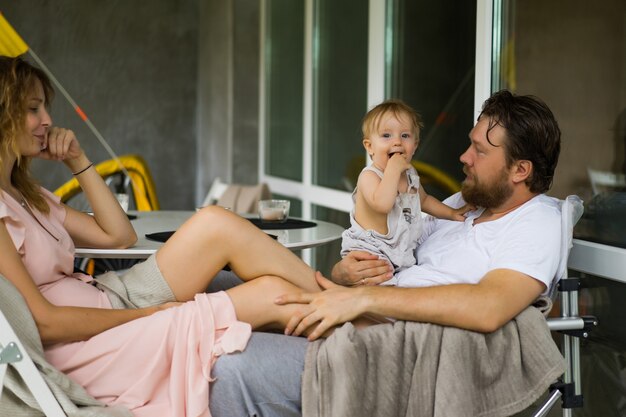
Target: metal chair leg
x=545, y=408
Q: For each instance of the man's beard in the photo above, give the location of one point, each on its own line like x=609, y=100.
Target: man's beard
x=487, y=195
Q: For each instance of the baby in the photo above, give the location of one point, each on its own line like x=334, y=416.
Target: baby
x=388, y=200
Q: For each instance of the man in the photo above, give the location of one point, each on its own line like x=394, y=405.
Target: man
x=475, y=275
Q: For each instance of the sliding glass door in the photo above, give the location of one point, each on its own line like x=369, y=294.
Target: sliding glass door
x=326, y=62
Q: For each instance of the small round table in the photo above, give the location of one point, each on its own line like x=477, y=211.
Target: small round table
x=168, y=220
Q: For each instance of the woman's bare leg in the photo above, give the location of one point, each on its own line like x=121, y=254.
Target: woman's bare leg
x=215, y=237
x=254, y=304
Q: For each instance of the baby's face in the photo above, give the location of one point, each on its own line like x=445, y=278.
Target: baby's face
x=394, y=134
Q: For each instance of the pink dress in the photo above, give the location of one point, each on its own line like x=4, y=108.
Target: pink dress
x=156, y=366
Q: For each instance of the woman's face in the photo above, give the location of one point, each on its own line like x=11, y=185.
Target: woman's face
x=34, y=138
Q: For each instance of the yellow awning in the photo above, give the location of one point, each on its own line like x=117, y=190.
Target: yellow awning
x=10, y=42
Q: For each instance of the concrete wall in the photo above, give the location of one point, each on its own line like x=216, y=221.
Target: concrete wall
x=173, y=80
x=228, y=93
x=132, y=66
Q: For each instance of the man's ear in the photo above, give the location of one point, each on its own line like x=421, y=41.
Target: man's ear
x=522, y=170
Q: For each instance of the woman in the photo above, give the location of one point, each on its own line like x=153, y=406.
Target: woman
x=146, y=339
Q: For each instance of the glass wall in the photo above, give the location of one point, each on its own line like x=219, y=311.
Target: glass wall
x=284, y=74
x=572, y=54
x=317, y=76
x=431, y=67
x=340, y=44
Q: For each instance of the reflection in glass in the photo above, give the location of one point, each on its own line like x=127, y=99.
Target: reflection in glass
x=573, y=56
x=284, y=60
x=503, y=46
x=576, y=65
x=430, y=49
x=340, y=87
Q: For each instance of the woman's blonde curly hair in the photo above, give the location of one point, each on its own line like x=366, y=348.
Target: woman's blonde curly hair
x=17, y=80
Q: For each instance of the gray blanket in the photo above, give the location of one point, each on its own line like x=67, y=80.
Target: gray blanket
x=417, y=369
x=17, y=400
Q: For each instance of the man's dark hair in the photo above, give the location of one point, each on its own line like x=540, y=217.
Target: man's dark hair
x=532, y=133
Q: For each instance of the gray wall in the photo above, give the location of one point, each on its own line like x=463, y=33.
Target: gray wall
x=132, y=66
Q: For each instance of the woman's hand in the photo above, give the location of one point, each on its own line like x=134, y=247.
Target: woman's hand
x=164, y=306
x=361, y=268
x=62, y=145
x=334, y=306
x=109, y=226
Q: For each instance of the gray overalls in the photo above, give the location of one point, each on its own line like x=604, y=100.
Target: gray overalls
x=404, y=225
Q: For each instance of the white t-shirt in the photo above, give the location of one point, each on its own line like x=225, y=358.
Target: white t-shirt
x=527, y=240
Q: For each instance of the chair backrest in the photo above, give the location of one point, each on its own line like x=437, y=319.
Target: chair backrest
x=14, y=353
x=237, y=197
x=571, y=212
x=30, y=382
x=568, y=320
x=218, y=187
x=605, y=180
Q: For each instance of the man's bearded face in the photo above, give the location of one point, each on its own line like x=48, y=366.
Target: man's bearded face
x=486, y=194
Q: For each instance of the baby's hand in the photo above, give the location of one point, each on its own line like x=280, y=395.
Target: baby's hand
x=397, y=161
x=459, y=214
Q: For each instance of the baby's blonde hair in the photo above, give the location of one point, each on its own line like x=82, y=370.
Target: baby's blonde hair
x=399, y=108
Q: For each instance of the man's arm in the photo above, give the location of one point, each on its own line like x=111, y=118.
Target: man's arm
x=484, y=307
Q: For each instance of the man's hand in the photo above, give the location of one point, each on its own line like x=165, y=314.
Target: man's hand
x=361, y=268
x=327, y=309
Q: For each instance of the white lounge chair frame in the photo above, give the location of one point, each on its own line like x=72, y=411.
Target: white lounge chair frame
x=12, y=353
x=570, y=324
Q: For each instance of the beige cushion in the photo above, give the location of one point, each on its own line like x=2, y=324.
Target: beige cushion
x=244, y=198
